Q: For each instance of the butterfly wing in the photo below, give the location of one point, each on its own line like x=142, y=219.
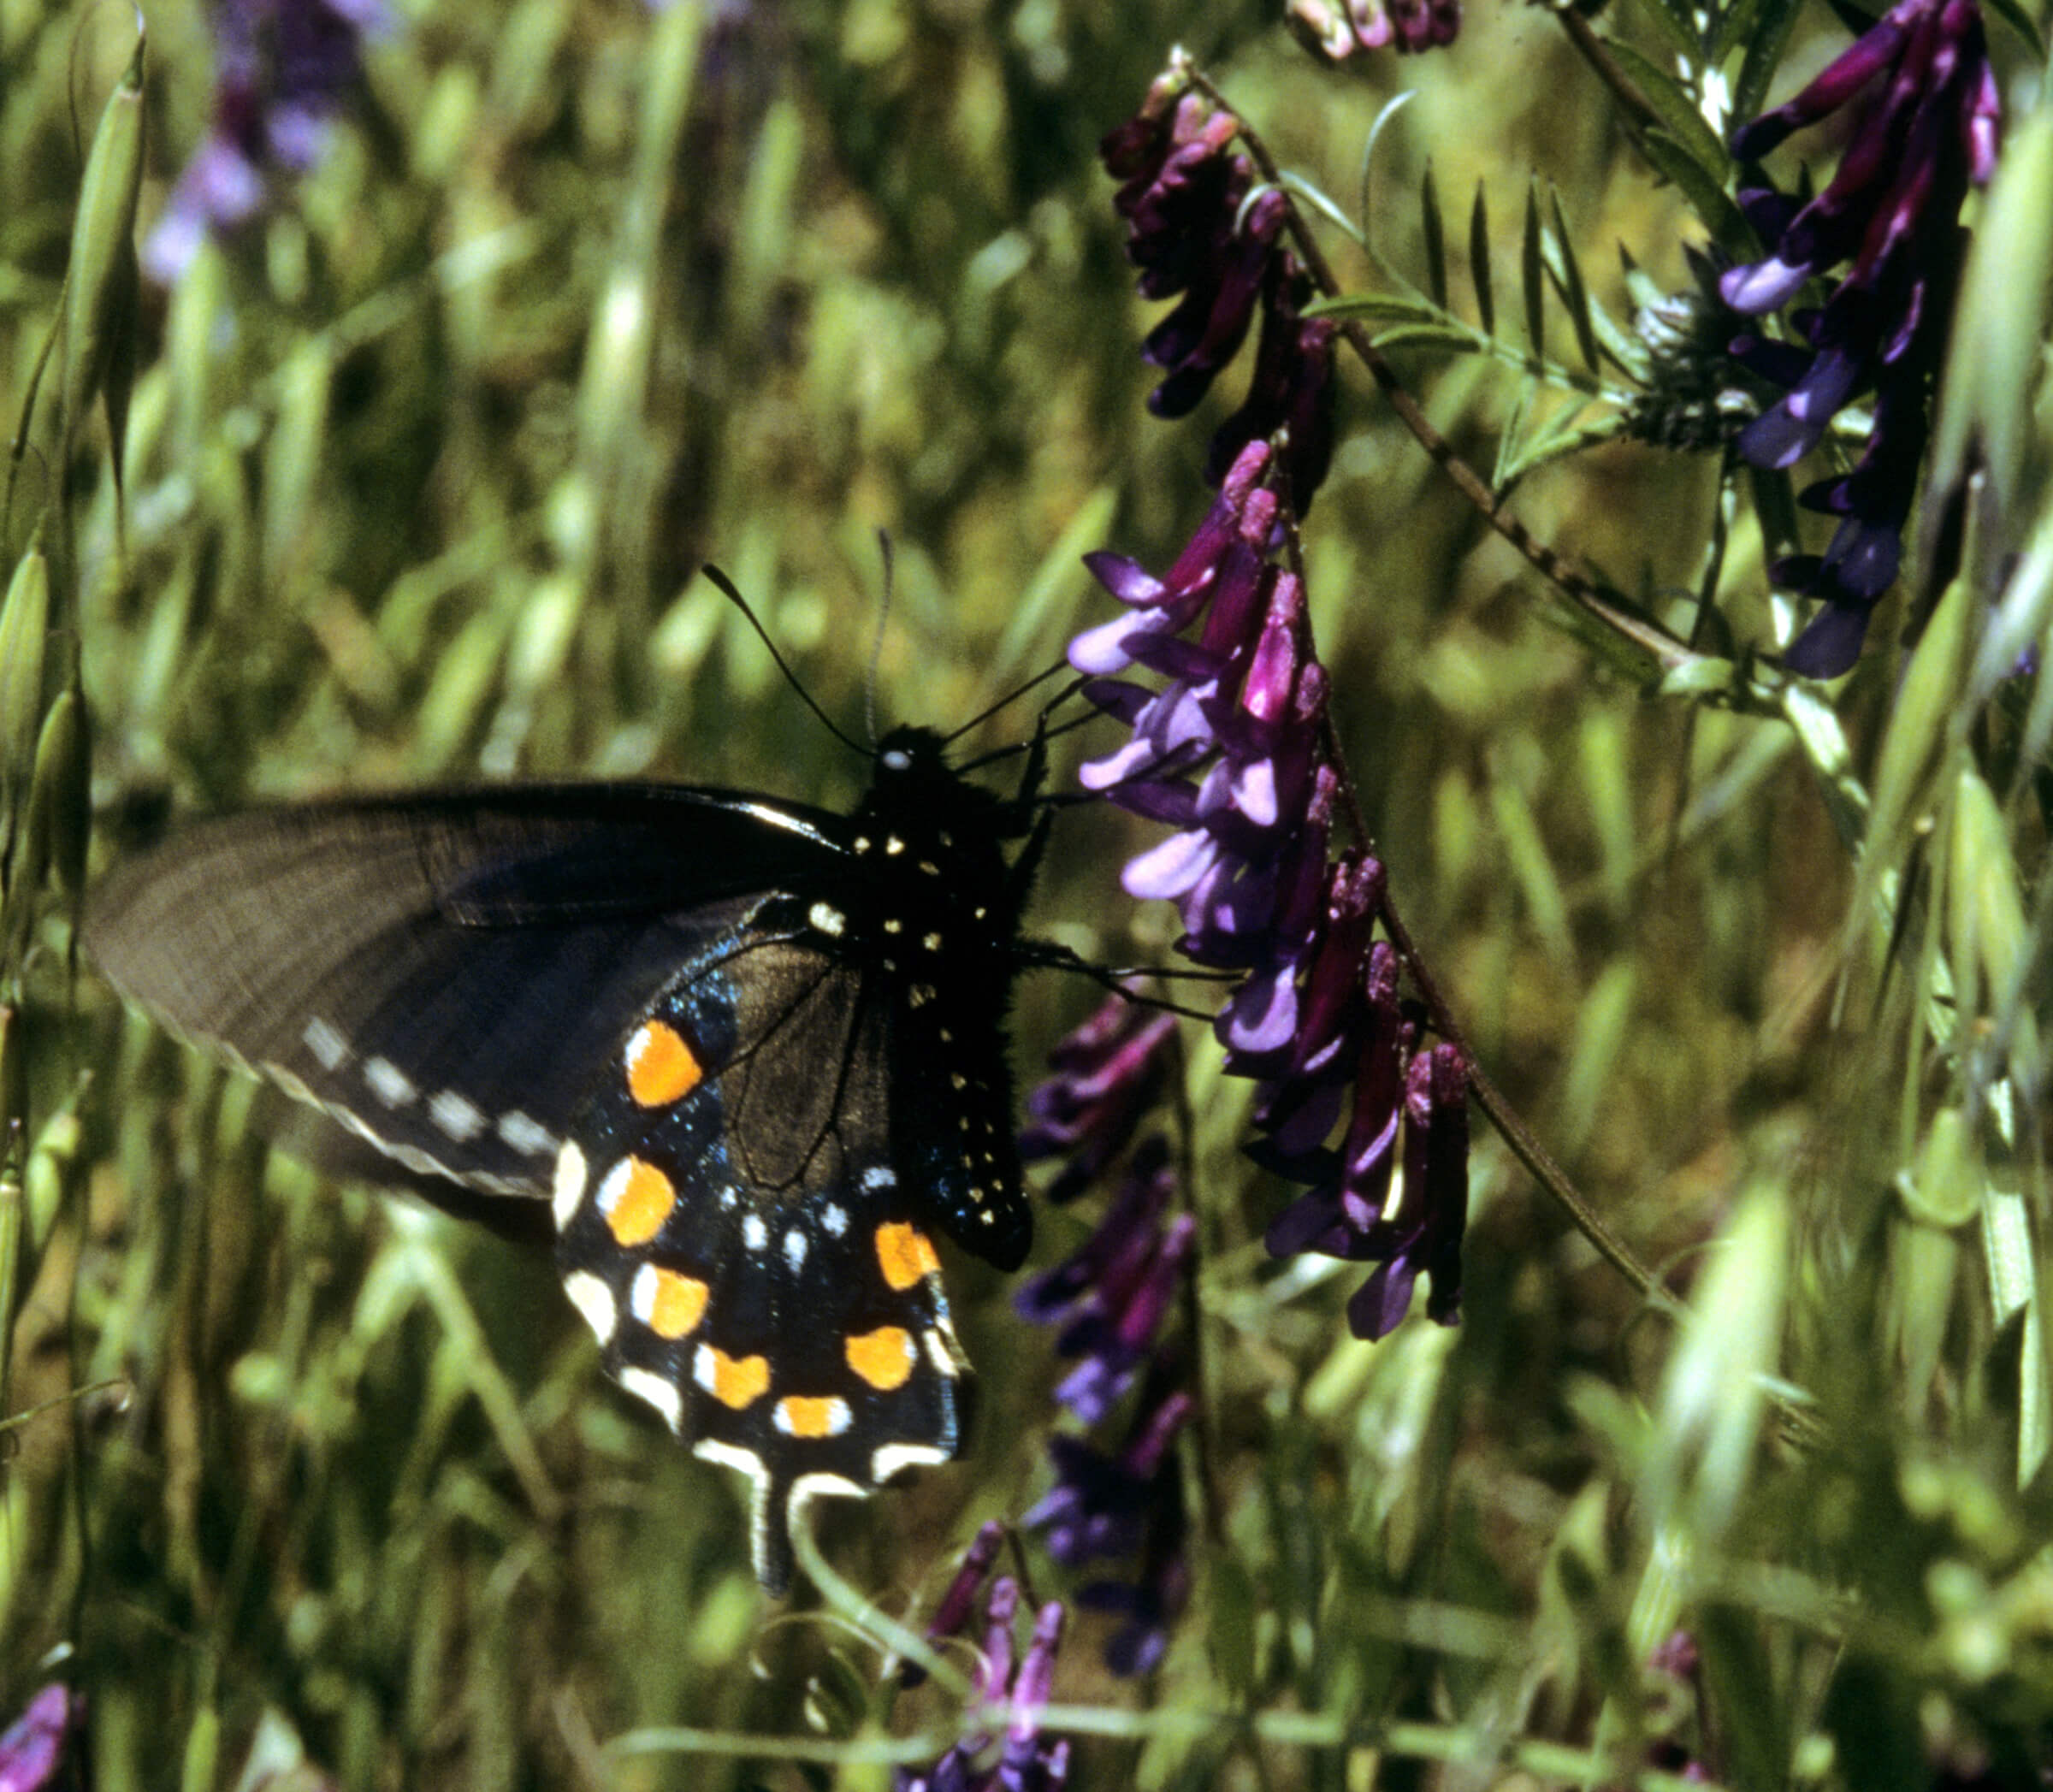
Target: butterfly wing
x=747, y=1103
x=733, y=1227
x=439, y=975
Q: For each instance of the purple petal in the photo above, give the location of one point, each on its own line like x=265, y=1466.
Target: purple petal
x=1169, y=869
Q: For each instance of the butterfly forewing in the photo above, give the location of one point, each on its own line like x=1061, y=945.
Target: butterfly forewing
x=751, y=1053
x=440, y=975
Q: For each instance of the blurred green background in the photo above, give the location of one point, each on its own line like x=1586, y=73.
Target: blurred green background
x=420, y=467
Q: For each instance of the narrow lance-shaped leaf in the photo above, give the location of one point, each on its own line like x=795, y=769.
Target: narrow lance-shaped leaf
x=1510, y=442
x=61, y=799
x=1568, y=280
x=1912, y=750
x=1986, y=395
x=1433, y=230
x=1479, y=262
x=1713, y=205
x=1678, y=108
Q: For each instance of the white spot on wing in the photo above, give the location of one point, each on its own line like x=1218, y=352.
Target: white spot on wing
x=942, y=1350
x=390, y=1084
x=755, y=1234
x=614, y=1186
x=828, y=918
x=569, y=1183
x=526, y=1135
x=795, y=1248
x=329, y=1047
x=460, y=1118
x=880, y=1175
x=890, y=1458
x=659, y=1394
x=593, y=1299
x=834, y=1218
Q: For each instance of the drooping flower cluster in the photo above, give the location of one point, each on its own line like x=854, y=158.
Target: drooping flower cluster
x=1231, y=750
x=1026, y=1759
x=1357, y=1041
x=1112, y=1298
x=1115, y=1298
x=1193, y=230
x=1926, y=131
x=1337, y=29
x=1127, y=1506
x=1108, y=1074
x=283, y=68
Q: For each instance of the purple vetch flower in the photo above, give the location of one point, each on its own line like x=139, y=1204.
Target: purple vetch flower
x=1201, y=233
x=1926, y=132
x=283, y=68
x=33, y=1749
x=1121, y=1505
x=1113, y=1295
x=956, y=1603
x=1336, y=29
x=1346, y=1215
x=1231, y=750
x=1359, y=1039
x=1025, y=1761
x=1244, y=704
x=1107, y=1075
x=1117, y=1298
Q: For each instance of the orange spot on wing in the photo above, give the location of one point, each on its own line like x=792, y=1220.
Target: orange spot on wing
x=676, y=1303
x=884, y=1357
x=806, y=1415
x=739, y=1380
x=905, y=1254
x=640, y=1202
x=661, y=1069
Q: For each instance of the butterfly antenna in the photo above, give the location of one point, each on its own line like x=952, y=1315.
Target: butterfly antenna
x=725, y=587
x=1014, y=696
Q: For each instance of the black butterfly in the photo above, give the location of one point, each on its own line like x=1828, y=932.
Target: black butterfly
x=750, y=1055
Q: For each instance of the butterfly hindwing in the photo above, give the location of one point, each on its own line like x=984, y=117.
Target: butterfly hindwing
x=732, y=1226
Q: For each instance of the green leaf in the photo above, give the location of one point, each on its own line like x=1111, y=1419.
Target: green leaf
x=1766, y=42
x=1377, y=306
x=1479, y=262
x=1509, y=442
x=1433, y=229
x=1987, y=392
x=1679, y=19
x=1710, y=202
x=2023, y=24
x=1680, y=116
x=1567, y=274
x=1436, y=336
